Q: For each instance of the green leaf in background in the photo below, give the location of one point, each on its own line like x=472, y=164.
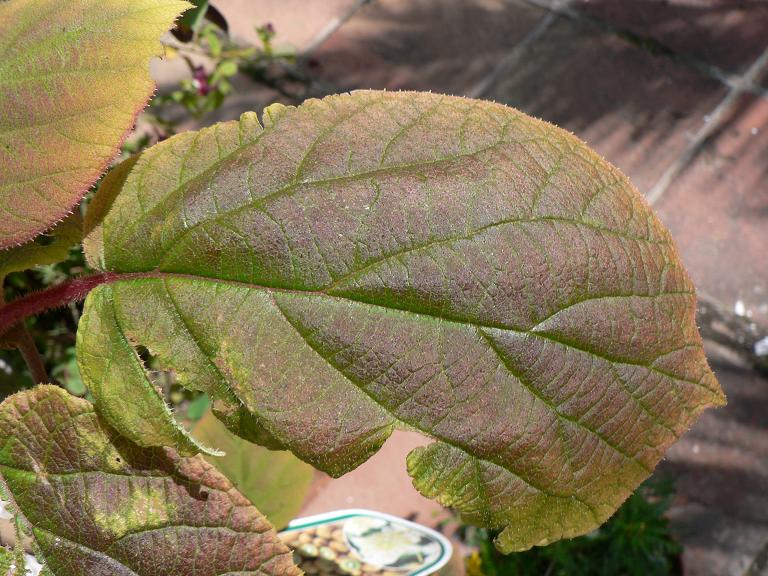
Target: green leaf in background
x=61, y=239
x=214, y=44
x=98, y=505
x=73, y=77
x=198, y=407
x=276, y=482
x=68, y=373
x=193, y=17
x=381, y=260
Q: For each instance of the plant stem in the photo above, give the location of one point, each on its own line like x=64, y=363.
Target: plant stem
x=26, y=345
x=60, y=295
x=21, y=338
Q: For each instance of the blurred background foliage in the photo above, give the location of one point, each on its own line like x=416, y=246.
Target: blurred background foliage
x=636, y=541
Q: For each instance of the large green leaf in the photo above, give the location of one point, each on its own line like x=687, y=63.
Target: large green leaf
x=276, y=482
x=434, y=263
x=98, y=505
x=73, y=76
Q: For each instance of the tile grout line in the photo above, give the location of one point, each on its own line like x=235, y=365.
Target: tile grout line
x=332, y=27
x=481, y=88
x=700, y=138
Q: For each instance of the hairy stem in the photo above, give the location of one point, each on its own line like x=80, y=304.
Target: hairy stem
x=71, y=291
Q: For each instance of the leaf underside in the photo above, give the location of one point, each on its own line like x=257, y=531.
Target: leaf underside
x=73, y=77
x=382, y=260
x=99, y=505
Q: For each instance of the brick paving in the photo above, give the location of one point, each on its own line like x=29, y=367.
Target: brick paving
x=675, y=93
x=633, y=108
x=717, y=209
x=721, y=470
x=445, y=47
x=728, y=34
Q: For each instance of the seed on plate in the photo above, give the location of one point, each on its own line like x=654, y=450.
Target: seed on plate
x=350, y=566
x=308, y=550
x=338, y=535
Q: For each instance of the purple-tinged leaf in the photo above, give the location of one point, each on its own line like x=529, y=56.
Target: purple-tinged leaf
x=381, y=260
x=98, y=505
x=73, y=76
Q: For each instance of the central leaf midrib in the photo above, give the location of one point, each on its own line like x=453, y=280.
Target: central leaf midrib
x=166, y=276
x=444, y=317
